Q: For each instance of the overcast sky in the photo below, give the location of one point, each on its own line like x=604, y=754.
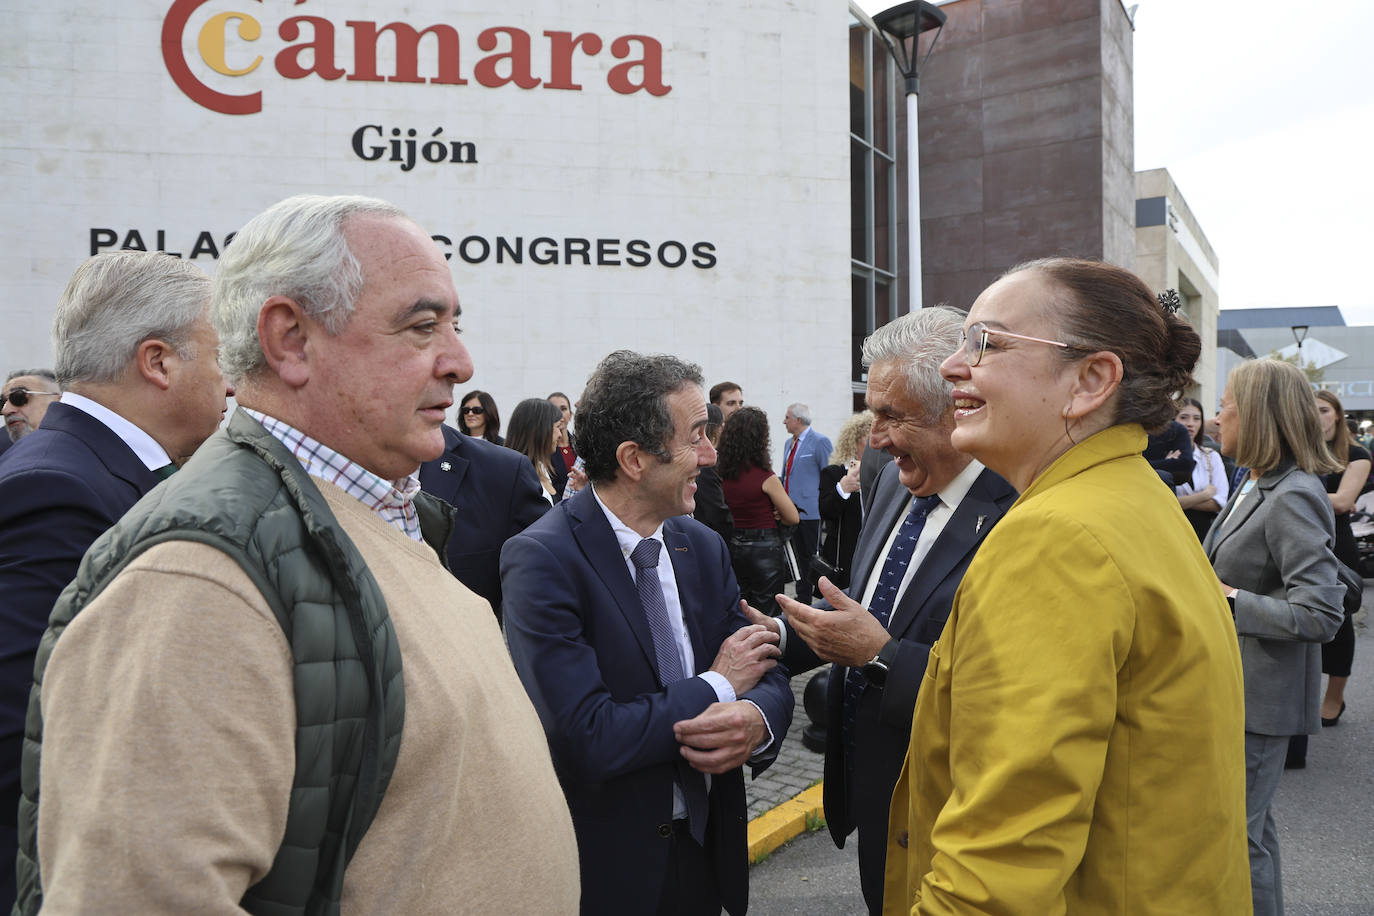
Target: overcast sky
x=1263, y=112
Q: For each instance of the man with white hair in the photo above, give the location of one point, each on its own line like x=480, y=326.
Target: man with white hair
x=264, y=692
x=26, y=397
x=135, y=354
x=803, y=455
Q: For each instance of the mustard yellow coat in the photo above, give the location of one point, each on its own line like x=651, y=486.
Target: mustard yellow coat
x=1078, y=740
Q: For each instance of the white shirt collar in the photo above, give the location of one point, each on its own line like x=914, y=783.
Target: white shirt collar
x=143, y=445
x=625, y=536
x=955, y=491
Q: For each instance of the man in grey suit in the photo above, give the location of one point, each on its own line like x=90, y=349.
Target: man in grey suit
x=931, y=508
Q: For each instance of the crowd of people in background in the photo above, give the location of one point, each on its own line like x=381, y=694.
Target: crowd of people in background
x=1047, y=586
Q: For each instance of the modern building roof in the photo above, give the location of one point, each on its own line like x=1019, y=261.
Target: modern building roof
x=1315, y=316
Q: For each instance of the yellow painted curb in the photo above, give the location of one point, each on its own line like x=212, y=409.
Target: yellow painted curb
x=772, y=828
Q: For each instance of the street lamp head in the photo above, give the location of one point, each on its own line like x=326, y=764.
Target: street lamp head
x=902, y=26
x=1299, y=332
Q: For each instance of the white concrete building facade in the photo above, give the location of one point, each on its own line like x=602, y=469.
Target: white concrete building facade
x=647, y=174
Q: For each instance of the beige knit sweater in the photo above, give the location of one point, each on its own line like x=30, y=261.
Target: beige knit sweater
x=168, y=748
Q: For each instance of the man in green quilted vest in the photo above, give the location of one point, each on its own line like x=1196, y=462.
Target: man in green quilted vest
x=263, y=692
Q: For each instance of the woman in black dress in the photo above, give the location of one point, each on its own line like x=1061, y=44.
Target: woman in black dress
x=839, y=503
x=1344, y=488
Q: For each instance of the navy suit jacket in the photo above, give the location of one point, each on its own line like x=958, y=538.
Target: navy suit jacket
x=61, y=487
x=582, y=647
x=804, y=480
x=883, y=717
x=497, y=495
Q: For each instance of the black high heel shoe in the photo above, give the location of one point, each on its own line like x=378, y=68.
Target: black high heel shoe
x=1334, y=720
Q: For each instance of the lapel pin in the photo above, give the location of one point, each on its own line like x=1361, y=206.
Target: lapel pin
x=979, y=526
x=445, y=466
x=680, y=549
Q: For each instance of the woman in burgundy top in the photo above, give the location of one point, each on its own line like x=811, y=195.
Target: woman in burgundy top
x=754, y=494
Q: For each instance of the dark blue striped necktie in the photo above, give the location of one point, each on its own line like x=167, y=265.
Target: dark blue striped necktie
x=884, y=600
x=645, y=557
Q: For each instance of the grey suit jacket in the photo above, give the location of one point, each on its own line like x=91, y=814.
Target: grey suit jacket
x=1275, y=549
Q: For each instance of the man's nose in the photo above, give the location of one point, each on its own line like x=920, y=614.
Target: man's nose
x=706, y=454
x=455, y=362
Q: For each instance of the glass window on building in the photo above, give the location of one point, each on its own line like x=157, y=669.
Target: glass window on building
x=873, y=189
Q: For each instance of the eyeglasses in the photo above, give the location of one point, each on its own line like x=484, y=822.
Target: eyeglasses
x=478, y=410
x=20, y=396
x=974, y=340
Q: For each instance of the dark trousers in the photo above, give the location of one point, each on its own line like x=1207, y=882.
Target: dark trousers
x=689, y=887
x=805, y=537
x=760, y=567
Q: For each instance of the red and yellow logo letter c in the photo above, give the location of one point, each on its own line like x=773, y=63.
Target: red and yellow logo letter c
x=173, y=28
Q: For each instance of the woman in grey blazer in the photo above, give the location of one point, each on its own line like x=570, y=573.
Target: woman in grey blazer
x=1271, y=548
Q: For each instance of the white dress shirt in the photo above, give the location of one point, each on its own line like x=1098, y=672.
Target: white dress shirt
x=629, y=539
x=951, y=495
x=143, y=445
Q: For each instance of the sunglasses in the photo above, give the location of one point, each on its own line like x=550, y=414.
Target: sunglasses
x=478, y=410
x=20, y=396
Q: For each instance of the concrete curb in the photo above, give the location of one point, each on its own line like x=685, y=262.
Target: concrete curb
x=772, y=828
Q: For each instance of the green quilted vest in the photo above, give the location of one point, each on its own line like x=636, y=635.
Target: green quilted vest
x=244, y=494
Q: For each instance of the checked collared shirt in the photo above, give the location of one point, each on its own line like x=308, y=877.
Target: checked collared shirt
x=393, y=500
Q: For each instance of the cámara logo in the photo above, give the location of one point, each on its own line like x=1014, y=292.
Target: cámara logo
x=313, y=52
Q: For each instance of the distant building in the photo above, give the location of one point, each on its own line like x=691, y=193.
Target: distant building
x=1342, y=356
x=1172, y=252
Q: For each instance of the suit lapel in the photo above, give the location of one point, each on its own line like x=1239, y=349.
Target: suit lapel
x=446, y=482
x=1233, y=519
x=114, y=453
x=689, y=591
x=889, y=498
x=961, y=534
x=598, y=544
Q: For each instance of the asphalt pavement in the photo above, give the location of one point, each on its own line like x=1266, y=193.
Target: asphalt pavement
x=1325, y=817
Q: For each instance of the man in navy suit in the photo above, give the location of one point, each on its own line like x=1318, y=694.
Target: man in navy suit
x=136, y=359
x=496, y=494
x=931, y=508
x=624, y=621
x=803, y=455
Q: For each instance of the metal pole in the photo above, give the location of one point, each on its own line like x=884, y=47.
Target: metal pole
x=913, y=203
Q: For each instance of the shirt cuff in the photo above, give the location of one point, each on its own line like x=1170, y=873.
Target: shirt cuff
x=840, y=490
x=782, y=636
x=720, y=684
x=767, y=744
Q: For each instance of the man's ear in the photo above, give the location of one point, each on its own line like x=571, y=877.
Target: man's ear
x=283, y=331
x=631, y=460
x=1097, y=379
x=152, y=360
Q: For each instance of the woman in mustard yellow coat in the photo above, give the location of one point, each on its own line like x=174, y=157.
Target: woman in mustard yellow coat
x=1078, y=741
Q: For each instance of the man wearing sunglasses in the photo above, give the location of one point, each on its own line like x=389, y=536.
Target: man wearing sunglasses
x=25, y=398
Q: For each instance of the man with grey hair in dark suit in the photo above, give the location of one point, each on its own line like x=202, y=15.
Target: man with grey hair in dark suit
x=135, y=355
x=931, y=508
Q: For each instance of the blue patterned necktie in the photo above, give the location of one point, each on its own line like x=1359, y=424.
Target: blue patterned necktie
x=884, y=600
x=645, y=558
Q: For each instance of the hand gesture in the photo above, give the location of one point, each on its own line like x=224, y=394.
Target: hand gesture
x=758, y=617
x=749, y=654
x=850, y=481
x=722, y=737
x=849, y=634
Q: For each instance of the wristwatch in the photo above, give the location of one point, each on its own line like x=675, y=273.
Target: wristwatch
x=876, y=668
